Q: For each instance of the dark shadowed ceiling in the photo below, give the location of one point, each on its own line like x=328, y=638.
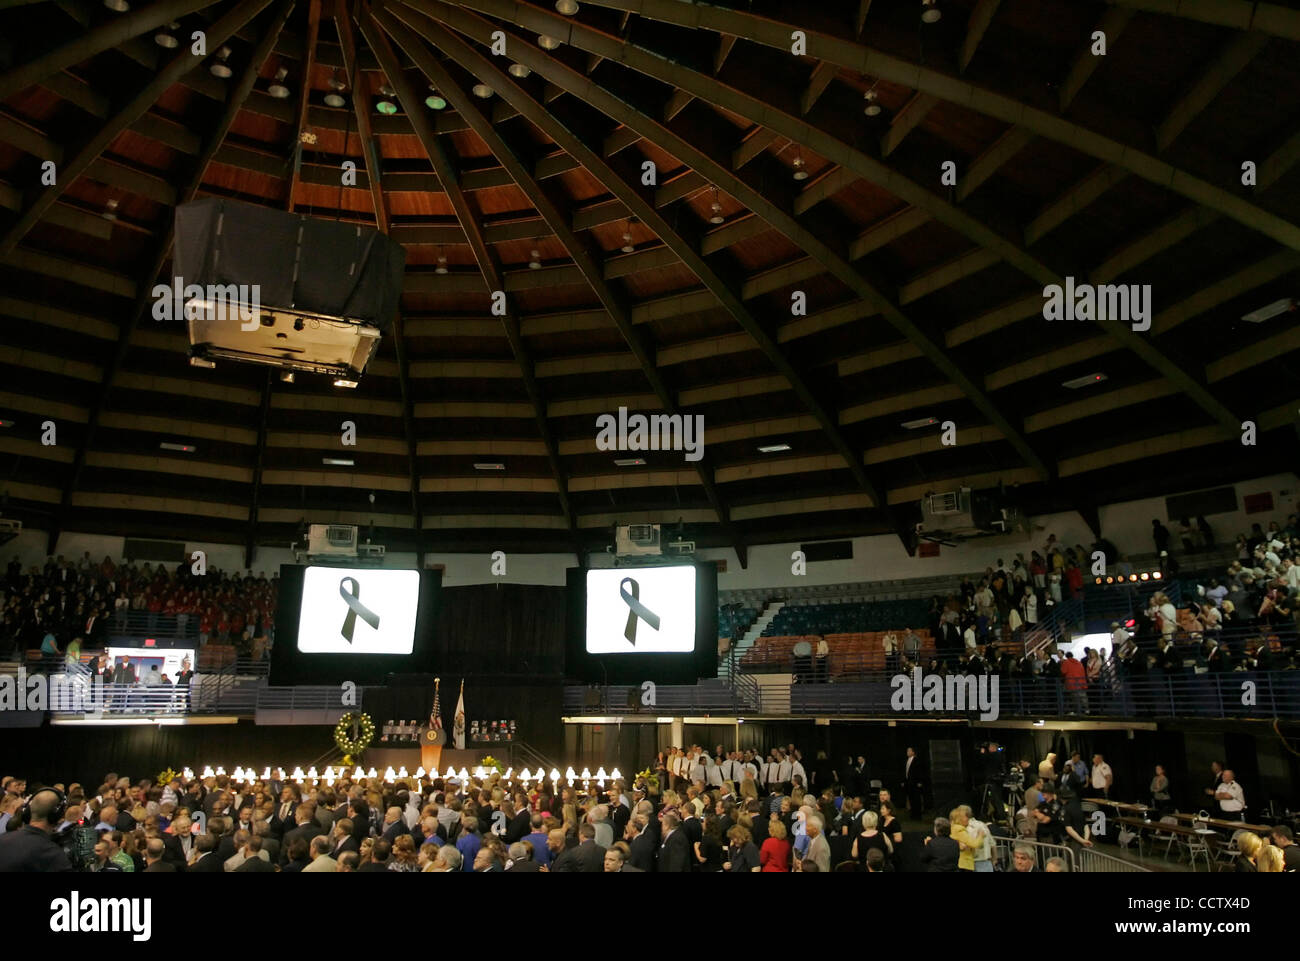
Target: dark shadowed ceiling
x=924, y=298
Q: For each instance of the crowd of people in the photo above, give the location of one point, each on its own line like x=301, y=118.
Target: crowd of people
x=65, y=605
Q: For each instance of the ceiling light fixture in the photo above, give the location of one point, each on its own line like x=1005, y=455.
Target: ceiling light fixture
x=716, y=209
x=534, y=259
x=1085, y=381
x=1275, y=309
x=334, y=97
x=548, y=43
x=117, y=6
x=518, y=70
x=800, y=168
x=435, y=100
x=481, y=90
x=629, y=462
x=183, y=448
x=566, y=7
x=930, y=12
x=442, y=263
x=164, y=37
x=345, y=383
x=219, y=67
x=110, y=209
x=773, y=448
x=627, y=247
x=385, y=104
x=489, y=465
x=873, y=103
x=278, y=90
x=286, y=376
x=338, y=461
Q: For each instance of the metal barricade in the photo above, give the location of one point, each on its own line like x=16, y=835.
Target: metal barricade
x=1092, y=860
x=1003, y=849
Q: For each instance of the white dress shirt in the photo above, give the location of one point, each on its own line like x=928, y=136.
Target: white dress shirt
x=1236, y=802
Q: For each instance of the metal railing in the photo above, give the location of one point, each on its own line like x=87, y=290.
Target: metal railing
x=706, y=698
x=1004, y=849
x=1091, y=860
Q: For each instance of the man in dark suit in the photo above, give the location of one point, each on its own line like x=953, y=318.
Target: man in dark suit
x=589, y=854
x=643, y=845
x=343, y=839
x=941, y=851
x=153, y=858
x=282, y=818
x=253, y=863
x=208, y=862
x=307, y=828
x=914, y=782
x=675, y=852
x=615, y=863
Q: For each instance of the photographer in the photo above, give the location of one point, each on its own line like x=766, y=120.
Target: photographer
x=30, y=847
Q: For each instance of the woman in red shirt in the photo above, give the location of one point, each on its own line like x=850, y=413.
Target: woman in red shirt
x=774, y=855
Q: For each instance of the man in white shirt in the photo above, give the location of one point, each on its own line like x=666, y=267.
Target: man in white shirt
x=1101, y=775
x=1231, y=798
x=797, y=771
x=784, y=771
x=698, y=773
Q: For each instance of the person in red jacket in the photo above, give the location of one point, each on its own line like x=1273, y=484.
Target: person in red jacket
x=1075, y=678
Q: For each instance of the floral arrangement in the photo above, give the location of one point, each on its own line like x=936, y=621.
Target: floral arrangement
x=651, y=780
x=165, y=777
x=490, y=763
x=343, y=734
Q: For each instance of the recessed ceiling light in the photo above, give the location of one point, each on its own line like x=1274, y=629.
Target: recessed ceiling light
x=117, y=6
x=278, y=90
x=110, y=209
x=334, y=100
x=165, y=39
x=773, y=448
x=1084, y=381
x=567, y=7
x=6, y=423
x=219, y=67
x=481, y=90
x=630, y=462
x=930, y=12
x=548, y=42
x=534, y=260
x=345, y=383
x=286, y=376
x=338, y=462
x=183, y=448
x=489, y=465
x=920, y=422
x=386, y=107
x=518, y=70
x=1278, y=307
x=442, y=265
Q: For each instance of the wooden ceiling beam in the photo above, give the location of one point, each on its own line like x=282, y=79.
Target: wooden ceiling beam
x=470, y=221
x=1269, y=18
x=1085, y=62
x=304, y=97
x=111, y=34
x=1236, y=54
x=587, y=90
x=45, y=197
x=978, y=24
x=614, y=302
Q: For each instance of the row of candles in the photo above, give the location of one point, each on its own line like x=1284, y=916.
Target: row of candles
x=525, y=777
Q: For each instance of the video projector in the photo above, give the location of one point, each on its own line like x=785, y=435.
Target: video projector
x=264, y=286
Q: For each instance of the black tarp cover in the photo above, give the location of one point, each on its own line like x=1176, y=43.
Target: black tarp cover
x=342, y=270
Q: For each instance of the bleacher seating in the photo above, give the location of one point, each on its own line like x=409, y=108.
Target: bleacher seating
x=847, y=616
x=858, y=652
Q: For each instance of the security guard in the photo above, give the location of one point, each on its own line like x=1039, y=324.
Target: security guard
x=30, y=848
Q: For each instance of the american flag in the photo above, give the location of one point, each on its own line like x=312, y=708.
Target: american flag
x=435, y=715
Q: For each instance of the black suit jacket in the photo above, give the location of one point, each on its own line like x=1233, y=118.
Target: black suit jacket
x=305, y=831
x=525, y=867
x=941, y=854
x=349, y=843
x=675, y=853
x=518, y=828
x=161, y=867
x=567, y=862
x=255, y=866
x=591, y=857
x=210, y=863
x=694, y=829
x=644, y=848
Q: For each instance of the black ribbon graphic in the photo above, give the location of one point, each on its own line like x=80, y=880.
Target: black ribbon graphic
x=636, y=610
x=355, y=607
